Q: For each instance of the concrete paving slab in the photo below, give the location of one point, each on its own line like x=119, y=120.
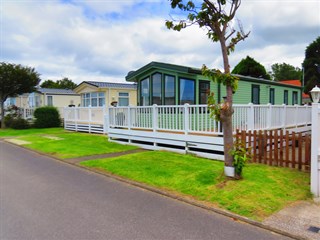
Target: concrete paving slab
x=302, y=219
x=52, y=137
x=17, y=141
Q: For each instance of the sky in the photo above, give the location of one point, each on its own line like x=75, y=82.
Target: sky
x=102, y=40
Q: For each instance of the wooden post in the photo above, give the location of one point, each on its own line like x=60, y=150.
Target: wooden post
x=287, y=149
x=243, y=137
x=307, y=158
x=293, y=149
x=254, y=146
x=281, y=147
x=249, y=141
x=276, y=147
x=300, y=145
x=260, y=146
x=264, y=146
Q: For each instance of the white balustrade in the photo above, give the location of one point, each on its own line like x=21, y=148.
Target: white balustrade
x=196, y=118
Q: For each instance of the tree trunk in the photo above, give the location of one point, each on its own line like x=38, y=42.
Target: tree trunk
x=2, y=114
x=226, y=119
x=227, y=110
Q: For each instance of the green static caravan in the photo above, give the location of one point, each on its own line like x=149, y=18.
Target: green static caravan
x=169, y=84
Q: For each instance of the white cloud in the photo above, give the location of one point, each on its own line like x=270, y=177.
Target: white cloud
x=82, y=41
x=102, y=7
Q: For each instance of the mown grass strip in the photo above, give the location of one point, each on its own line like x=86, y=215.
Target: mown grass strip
x=263, y=191
x=63, y=144
x=31, y=131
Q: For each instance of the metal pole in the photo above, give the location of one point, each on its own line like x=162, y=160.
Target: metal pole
x=315, y=178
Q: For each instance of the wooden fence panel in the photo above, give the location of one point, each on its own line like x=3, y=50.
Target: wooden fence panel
x=278, y=148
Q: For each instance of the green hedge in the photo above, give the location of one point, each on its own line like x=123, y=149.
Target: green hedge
x=46, y=117
x=20, y=123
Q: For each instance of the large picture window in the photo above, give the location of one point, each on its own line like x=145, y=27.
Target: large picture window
x=169, y=90
x=255, y=94
x=145, y=92
x=187, y=91
x=156, y=89
x=94, y=99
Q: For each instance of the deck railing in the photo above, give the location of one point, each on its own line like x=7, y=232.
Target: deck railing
x=28, y=113
x=85, y=119
x=196, y=118
x=84, y=114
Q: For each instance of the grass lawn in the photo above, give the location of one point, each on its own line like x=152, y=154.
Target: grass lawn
x=32, y=131
x=263, y=191
x=63, y=144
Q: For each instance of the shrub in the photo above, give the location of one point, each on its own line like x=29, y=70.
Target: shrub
x=19, y=123
x=46, y=117
x=240, y=156
x=8, y=121
x=12, y=113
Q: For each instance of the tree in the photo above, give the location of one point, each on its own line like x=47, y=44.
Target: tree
x=64, y=83
x=49, y=84
x=15, y=79
x=311, y=65
x=250, y=67
x=285, y=71
x=216, y=18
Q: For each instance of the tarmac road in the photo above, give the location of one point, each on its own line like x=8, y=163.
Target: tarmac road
x=45, y=199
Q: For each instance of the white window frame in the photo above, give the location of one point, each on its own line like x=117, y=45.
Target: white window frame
x=124, y=96
x=88, y=98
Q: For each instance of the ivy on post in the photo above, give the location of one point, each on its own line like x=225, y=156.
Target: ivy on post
x=216, y=17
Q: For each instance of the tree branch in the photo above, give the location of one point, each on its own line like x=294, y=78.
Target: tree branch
x=232, y=32
x=212, y=6
x=237, y=39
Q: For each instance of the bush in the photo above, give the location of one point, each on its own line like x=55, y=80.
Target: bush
x=8, y=121
x=46, y=117
x=12, y=113
x=19, y=123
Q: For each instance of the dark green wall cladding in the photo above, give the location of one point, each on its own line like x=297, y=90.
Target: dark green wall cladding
x=242, y=96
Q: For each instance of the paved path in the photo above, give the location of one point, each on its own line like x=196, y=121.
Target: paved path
x=100, y=156
x=301, y=218
x=43, y=198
